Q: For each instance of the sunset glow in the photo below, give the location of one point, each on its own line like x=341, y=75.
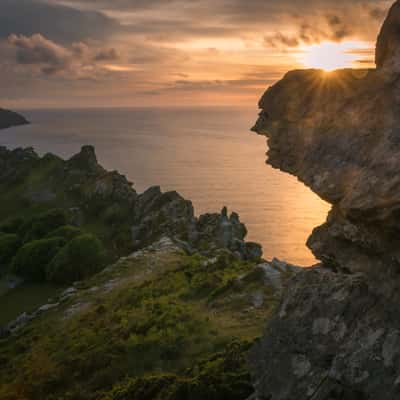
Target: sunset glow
x=163, y=53
x=330, y=56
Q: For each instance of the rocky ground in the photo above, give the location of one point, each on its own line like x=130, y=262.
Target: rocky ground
x=336, y=332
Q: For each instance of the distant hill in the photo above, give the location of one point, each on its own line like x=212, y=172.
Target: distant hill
x=10, y=118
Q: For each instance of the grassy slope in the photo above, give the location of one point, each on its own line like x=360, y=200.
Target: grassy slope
x=15, y=202
x=159, y=313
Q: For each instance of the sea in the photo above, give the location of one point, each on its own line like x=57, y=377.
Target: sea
x=208, y=155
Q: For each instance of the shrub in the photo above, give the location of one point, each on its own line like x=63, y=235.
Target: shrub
x=40, y=225
x=9, y=244
x=11, y=225
x=32, y=259
x=116, y=214
x=67, y=232
x=222, y=376
x=78, y=259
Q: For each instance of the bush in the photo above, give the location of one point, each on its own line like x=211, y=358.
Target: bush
x=222, y=376
x=9, y=244
x=81, y=257
x=39, y=226
x=11, y=225
x=67, y=232
x=116, y=214
x=32, y=259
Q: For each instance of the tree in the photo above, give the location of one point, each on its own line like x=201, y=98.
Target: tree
x=81, y=257
x=33, y=258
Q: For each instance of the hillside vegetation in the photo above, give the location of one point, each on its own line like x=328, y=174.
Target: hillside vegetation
x=159, y=324
x=113, y=295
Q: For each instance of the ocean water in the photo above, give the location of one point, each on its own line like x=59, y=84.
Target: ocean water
x=207, y=155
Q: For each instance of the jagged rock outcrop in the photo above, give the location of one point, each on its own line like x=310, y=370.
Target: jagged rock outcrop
x=158, y=214
x=10, y=118
x=95, y=195
x=335, y=335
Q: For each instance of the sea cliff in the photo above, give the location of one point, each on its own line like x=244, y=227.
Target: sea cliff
x=335, y=334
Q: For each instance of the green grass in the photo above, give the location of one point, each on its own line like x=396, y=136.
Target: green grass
x=165, y=313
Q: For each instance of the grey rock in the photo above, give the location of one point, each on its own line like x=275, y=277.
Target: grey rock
x=85, y=160
x=159, y=214
x=223, y=231
x=276, y=272
x=69, y=292
x=331, y=334
x=257, y=299
x=47, y=307
x=19, y=322
x=253, y=251
x=273, y=276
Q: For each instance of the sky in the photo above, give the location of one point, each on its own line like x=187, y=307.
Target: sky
x=130, y=53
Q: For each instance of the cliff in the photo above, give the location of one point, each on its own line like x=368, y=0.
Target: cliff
x=10, y=118
x=336, y=332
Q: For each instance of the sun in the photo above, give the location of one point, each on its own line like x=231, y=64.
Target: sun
x=330, y=55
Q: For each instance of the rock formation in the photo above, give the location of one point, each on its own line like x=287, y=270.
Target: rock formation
x=94, y=194
x=10, y=118
x=336, y=333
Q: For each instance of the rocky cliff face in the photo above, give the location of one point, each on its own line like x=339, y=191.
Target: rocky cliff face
x=339, y=133
x=10, y=118
x=336, y=333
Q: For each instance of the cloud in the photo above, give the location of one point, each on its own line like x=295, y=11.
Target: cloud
x=279, y=39
x=127, y=49
x=58, y=22
x=37, y=50
x=107, y=55
x=180, y=20
x=52, y=58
